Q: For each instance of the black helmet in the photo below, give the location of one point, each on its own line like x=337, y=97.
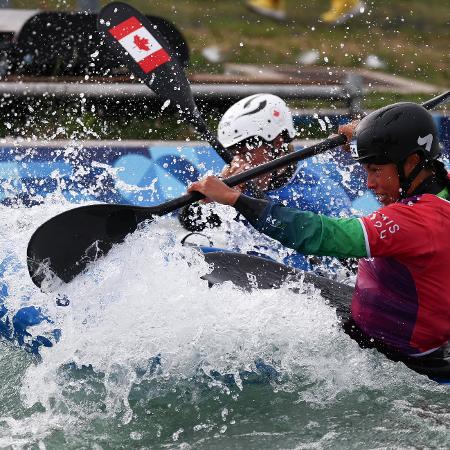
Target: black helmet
x=392, y=133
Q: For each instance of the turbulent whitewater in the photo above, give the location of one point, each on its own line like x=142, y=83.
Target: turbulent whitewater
x=150, y=356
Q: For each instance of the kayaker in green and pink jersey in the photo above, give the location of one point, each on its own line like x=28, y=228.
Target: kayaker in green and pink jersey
x=401, y=300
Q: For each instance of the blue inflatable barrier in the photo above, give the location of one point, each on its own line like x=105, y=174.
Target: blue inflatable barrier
x=16, y=325
x=150, y=174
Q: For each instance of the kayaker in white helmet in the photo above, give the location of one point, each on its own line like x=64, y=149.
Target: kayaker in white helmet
x=258, y=129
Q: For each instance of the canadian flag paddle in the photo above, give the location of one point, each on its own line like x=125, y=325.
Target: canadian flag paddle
x=140, y=44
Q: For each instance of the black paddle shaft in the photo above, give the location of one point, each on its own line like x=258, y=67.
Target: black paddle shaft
x=437, y=101
x=66, y=243
x=143, y=48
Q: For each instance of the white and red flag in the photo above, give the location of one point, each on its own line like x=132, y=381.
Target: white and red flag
x=140, y=44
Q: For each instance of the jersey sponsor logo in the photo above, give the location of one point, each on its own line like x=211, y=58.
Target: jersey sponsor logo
x=384, y=224
x=427, y=141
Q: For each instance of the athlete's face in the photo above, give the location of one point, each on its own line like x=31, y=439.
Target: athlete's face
x=383, y=180
x=248, y=158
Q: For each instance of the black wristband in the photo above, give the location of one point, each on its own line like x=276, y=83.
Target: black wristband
x=251, y=208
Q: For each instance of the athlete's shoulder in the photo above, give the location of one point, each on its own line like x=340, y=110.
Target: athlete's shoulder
x=417, y=201
x=416, y=210
x=425, y=201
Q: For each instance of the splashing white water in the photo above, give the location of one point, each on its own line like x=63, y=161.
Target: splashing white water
x=143, y=313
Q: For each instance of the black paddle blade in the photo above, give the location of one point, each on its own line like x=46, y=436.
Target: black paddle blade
x=67, y=36
x=65, y=244
x=142, y=46
x=144, y=49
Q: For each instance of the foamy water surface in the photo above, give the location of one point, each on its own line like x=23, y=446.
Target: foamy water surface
x=151, y=357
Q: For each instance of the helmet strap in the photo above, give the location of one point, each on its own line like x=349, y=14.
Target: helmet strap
x=406, y=181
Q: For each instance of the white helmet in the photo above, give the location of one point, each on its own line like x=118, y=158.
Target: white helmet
x=263, y=115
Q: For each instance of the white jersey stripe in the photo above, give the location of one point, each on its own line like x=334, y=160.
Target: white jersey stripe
x=366, y=237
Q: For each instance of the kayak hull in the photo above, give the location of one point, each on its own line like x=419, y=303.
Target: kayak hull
x=253, y=272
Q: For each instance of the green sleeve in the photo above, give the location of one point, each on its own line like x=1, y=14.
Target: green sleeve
x=314, y=234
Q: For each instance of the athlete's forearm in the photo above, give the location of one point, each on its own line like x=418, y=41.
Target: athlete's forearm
x=306, y=232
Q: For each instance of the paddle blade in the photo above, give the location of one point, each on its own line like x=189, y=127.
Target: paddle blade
x=146, y=52
x=65, y=244
x=174, y=37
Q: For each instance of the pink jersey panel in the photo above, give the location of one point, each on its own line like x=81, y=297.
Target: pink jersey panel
x=402, y=294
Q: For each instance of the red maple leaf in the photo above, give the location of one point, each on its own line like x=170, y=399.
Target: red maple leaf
x=141, y=43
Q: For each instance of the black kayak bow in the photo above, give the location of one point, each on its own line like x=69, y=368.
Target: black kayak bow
x=250, y=272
